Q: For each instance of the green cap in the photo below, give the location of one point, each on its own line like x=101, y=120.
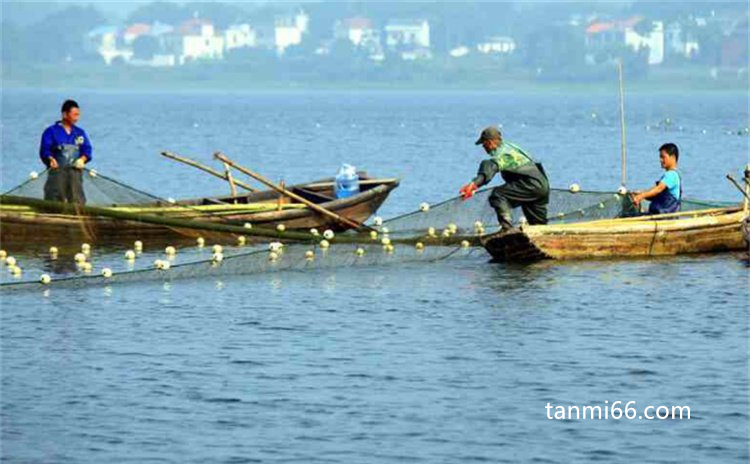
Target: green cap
x=489, y=133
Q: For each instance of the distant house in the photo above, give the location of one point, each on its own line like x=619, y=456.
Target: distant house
x=195, y=39
x=459, y=52
x=358, y=31
x=239, y=36
x=362, y=34
x=602, y=33
x=407, y=34
x=105, y=41
x=134, y=31
x=654, y=40
x=499, y=45
x=289, y=30
x=679, y=43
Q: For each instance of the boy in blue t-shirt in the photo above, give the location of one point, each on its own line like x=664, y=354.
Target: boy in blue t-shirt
x=666, y=196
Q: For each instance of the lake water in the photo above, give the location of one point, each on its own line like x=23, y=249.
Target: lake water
x=447, y=361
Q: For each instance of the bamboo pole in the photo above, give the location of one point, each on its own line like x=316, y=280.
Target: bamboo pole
x=207, y=169
x=281, y=197
x=171, y=222
x=317, y=208
x=746, y=190
x=623, y=153
x=743, y=190
x=57, y=207
x=378, y=181
x=230, y=179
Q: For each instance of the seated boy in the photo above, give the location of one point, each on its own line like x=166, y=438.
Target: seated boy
x=666, y=196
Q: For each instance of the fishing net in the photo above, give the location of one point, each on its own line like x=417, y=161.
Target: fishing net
x=98, y=189
x=475, y=216
x=197, y=263
x=434, y=232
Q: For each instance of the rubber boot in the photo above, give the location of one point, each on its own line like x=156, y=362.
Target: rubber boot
x=506, y=226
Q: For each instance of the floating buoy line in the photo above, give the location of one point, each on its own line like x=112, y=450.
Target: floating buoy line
x=276, y=257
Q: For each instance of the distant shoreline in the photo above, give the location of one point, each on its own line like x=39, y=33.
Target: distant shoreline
x=220, y=80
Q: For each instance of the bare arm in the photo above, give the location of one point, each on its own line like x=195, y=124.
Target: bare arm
x=648, y=194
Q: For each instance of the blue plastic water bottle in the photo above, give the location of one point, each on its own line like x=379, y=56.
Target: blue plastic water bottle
x=347, y=182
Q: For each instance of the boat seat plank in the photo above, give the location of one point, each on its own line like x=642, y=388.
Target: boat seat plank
x=315, y=197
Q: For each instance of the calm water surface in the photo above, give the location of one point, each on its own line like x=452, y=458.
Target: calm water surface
x=449, y=361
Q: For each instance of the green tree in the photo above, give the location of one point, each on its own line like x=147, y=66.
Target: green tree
x=164, y=12
x=61, y=35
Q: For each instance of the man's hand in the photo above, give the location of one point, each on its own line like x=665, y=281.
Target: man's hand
x=53, y=163
x=636, y=199
x=468, y=191
x=80, y=163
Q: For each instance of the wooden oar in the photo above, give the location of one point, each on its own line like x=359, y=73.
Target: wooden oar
x=209, y=170
x=315, y=207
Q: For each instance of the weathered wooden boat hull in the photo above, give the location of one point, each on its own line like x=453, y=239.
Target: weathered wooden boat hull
x=23, y=228
x=704, y=231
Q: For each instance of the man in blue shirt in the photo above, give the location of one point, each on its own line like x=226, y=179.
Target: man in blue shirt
x=666, y=196
x=65, y=149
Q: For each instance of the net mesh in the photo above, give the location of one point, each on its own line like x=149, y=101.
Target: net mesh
x=246, y=262
x=475, y=216
x=463, y=219
x=564, y=206
x=99, y=190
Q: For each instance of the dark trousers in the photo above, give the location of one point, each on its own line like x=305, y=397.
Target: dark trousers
x=65, y=184
x=532, y=195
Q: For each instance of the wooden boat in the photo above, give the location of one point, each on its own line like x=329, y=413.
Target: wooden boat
x=23, y=225
x=699, y=231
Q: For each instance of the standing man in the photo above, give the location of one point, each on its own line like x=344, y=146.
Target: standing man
x=526, y=184
x=65, y=149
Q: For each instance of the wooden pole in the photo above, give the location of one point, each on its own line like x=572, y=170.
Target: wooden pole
x=207, y=169
x=623, y=152
x=743, y=190
x=317, y=208
x=165, y=221
x=230, y=179
x=280, y=200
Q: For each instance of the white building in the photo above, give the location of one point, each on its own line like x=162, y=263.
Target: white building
x=679, y=43
x=358, y=31
x=599, y=34
x=239, y=36
x=407, y=34
x=196, y=39
x=497, y=45
x=654, y=40
x=459, y=52
x=104, y=41
x=288, y=31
